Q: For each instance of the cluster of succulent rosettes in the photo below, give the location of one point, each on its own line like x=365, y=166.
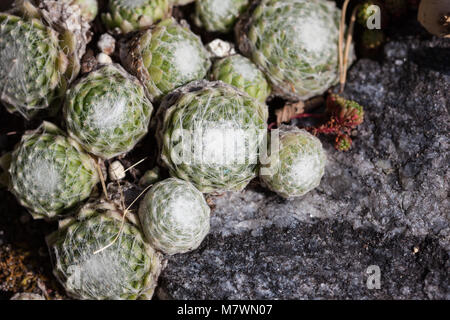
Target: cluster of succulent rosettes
x=343, y=117
x=240, y=72
x=295, y=43
x=295, y=165
x=89, y=8
x=165, y=57
x=210, y=133
x=107, y=111
x=218, y=15
x=36, y=61
x=97, y=255
x=132, y=15
x=50, y=173
x=174, y=216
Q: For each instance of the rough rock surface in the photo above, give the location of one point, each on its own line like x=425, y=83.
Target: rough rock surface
x=383, y=203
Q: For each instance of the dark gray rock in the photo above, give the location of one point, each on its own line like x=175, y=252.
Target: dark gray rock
x=326, y=260
x=376, y=203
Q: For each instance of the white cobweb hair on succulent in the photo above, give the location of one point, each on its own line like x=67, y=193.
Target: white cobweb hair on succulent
x=174, y=216
x=107, y=111
x=209, y=134
x=26, y=86
x=100, y=255
x=218, y=15
x=165, y=57
x=40, y=54
x=296, y=165
x=50, y=173
x=295, y=43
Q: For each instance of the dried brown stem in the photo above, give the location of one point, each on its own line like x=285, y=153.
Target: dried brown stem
x=347, y=48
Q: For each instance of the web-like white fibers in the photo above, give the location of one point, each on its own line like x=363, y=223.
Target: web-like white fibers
x=108, y=111
x=212, y=137
x=45, y=176
x=132, y=4
x=245, y=68
x=297, y=166
x=218, y=15
x=91, y=265
x=242, y=73
x=28, y=64
x=175, y=56
x=221, y=7
x=174, y=216
x=50, y=173
x=186, y=58
x=296, y=43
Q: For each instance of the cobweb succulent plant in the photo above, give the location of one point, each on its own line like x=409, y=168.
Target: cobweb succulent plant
x=39, y=54
x=210, y=133
x=97, y=255
x=165, y=57
x=107, y=111
x=50, y=173
x=240, y=72
x=132, y=15
x=296, y=165
x=218, y=15
x=174, y=216
x=295, y=42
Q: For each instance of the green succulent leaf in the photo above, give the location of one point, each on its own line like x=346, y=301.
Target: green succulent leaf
x=50, y=173
x=107, y=111
x=174, y=216
x=132, y=15
x=97, y=257
x=296, y=165
x=218, y=15
x=210, y=133
x=243, y=74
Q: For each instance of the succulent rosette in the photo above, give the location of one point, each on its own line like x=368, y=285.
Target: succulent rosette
x=295, y=43
x=174, y=216
x=166, y=57
x=39, y=54
x=50, y=173
x=107, y=111
x=97, y=255
x=240, y=72
x=210, y=133
x=296, y=165
x=132, y=15
x=218, y=15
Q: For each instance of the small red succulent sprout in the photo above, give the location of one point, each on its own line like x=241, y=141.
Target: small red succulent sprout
x=343, y=142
